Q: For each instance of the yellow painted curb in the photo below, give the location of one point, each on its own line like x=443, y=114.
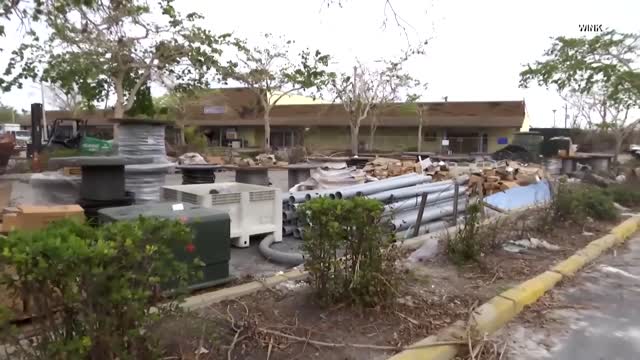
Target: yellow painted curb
x=627, y=228
x=498, y=311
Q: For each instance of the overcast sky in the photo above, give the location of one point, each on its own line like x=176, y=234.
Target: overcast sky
x=476, y=51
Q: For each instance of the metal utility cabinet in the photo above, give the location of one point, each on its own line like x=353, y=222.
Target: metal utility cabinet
x=210, y=230
x=253, y=209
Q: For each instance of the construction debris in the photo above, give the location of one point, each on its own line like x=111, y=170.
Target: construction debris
x=266, y=159
x=191, y=158
x=492, y=180
x=382, y=168
x=331, y=176
x=526, y=244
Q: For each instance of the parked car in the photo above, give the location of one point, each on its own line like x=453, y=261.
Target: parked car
x=23, y=137
x=635, y=150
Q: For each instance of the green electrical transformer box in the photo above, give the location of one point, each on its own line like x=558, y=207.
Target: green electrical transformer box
x=211, y=242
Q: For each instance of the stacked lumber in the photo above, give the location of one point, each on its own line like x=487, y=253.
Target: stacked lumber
x=72, y=171
x=440, y=172
x=382, y=168
x=492, y=180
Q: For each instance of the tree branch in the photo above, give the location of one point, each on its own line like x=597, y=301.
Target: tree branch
x=144, y=78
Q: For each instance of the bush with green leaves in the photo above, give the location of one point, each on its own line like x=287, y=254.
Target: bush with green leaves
x=625, y=194
x=350, y=251
x=92, y=289
x=468, y=242
x=577, y=203
x=195, y=139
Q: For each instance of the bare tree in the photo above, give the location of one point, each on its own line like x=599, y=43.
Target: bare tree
x=394, y=83
x=272, y=72
x=421, y=110
x=600, y=74
x=597, y=112
x=70, y=101
x=358, y=94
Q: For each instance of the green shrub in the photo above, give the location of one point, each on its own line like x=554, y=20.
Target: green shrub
x=195, y=139
x=577, y=203
x=93, y=289
x=470, y=240
x=625, y=194
x=365, y=274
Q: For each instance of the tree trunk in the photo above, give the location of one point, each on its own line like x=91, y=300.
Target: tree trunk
x=118, y=110
x=181, y=138
x=618, y=149
x=372, y=131
x=354, y=139
x=419, y=147
x=372, y=134
x=267, y=132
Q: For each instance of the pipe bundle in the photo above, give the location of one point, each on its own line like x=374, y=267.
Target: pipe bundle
x=402, y=195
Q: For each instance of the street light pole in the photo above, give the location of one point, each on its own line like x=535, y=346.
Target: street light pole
x=554, y=117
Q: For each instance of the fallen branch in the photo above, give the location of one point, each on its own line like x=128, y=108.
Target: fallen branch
x=236, y=339
x=360, y=346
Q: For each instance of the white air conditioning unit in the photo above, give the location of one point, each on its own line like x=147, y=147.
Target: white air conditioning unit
x=253, y=209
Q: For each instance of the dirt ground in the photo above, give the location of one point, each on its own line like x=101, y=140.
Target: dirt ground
x=287, y=322
x=279, y=323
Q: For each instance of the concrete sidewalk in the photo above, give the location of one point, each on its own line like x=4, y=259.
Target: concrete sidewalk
x=598, y=317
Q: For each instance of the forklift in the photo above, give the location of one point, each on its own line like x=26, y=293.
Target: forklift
x=66, y=133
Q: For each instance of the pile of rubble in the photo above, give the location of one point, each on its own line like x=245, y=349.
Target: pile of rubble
x=505, y=176
x=382, y=168
x=267, y=160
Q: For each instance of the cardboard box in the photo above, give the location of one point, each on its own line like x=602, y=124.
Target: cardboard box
x=10, y=222
x=36, y=217
x=476, y=179
x=216, y=160
x=5, y=193
x=489, y=172
x=506, y=185
x=72, y=171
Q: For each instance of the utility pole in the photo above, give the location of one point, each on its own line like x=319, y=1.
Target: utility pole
x=44, y=115
x=554, y=117
x=566, y=115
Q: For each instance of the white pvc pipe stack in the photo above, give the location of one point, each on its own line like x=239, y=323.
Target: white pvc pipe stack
x=353, y=189
x=411, y=191
x=408, y=218
x=381, y=185
x=424, y=229
x=414, y=202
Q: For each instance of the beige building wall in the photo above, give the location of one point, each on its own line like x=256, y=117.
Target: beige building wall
x=494, y=134
x=386, y=139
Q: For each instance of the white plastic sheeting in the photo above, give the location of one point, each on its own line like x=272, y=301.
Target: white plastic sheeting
x=55, y=188
x=142, y=140
x=146, y=180
x=191, y=158
x=521, y=196
x=331, y=176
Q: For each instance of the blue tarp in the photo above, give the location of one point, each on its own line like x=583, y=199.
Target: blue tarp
x=521, y=196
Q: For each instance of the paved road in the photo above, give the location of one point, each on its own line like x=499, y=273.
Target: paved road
x=604, y=323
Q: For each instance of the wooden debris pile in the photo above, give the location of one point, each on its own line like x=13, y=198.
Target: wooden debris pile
x=382, y=168
x=492, y=180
